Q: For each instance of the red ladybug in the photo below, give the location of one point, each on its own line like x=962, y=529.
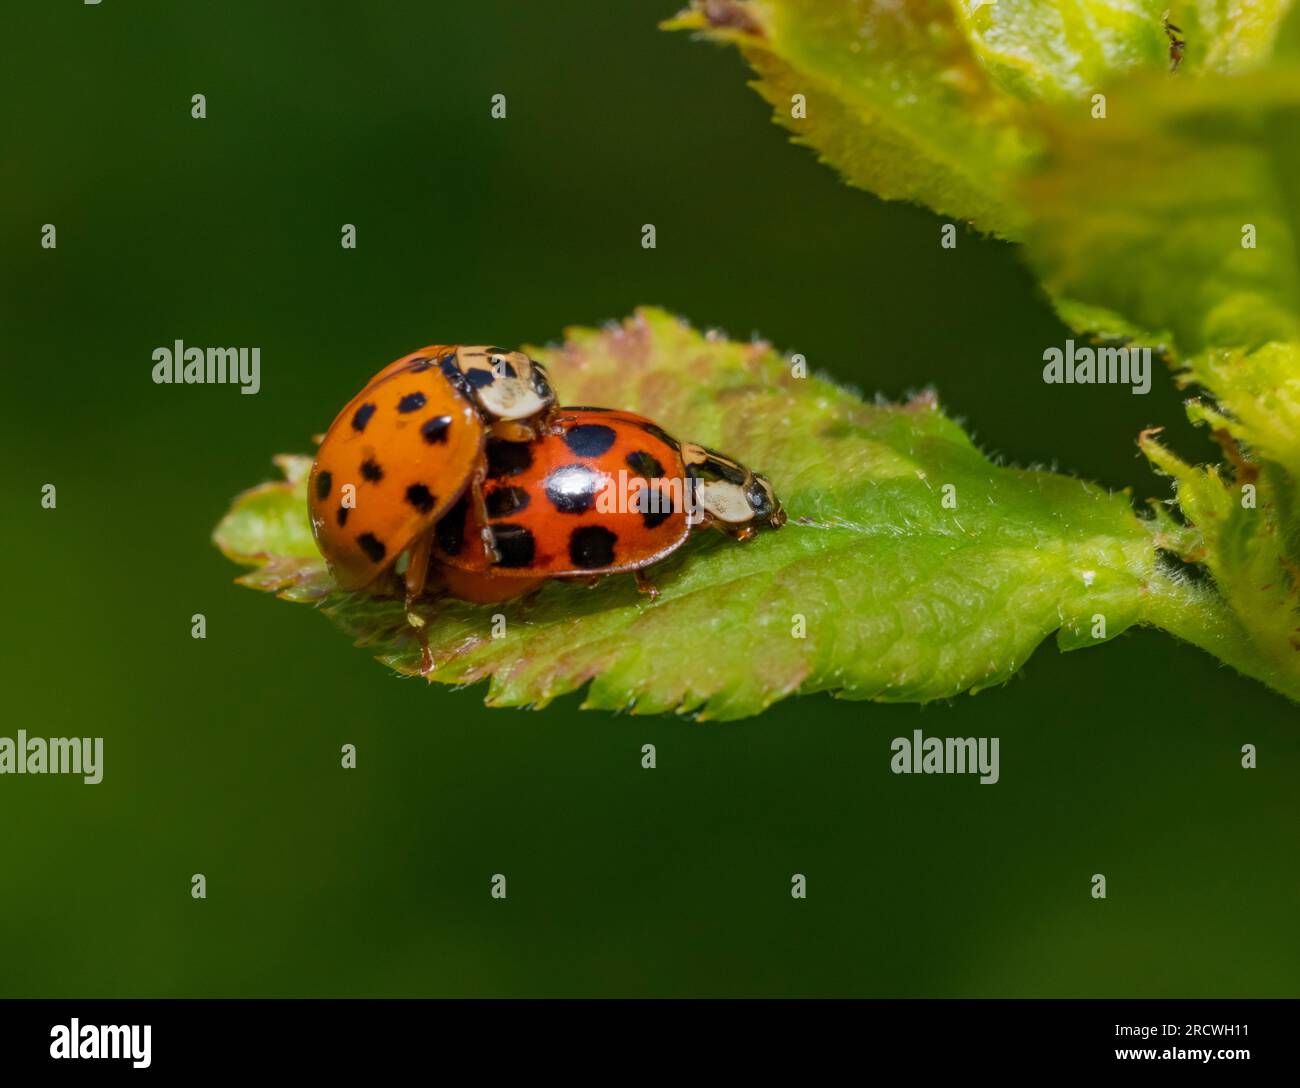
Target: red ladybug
x=599, y=492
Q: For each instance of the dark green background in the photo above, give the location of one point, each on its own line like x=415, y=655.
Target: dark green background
x=222, y=756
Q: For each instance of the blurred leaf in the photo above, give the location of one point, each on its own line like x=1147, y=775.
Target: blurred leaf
x=1038, y=50
x=1233, y=37
x=903, y=597
x=1139, y=218
x=1063, y=52
x=933, y=100
x=896, y=100
x=1132, y=219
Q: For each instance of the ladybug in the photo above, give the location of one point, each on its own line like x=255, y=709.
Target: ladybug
x=600, y=492
x=410, y=445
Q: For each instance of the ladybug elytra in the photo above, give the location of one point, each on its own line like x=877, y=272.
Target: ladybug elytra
x=599, y=492
x=408, y=447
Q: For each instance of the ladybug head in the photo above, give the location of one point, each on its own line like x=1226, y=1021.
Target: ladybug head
x=507, y=385
x=729, y=495
x=763, y=501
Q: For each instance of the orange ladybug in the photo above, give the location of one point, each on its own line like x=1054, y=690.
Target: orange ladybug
x=600, y=492
x=411, y=444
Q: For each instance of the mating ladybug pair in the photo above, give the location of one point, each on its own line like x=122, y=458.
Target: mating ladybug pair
x=455, y=467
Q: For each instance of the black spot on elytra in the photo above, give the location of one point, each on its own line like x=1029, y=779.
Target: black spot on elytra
x=412, y=402
x=362, y=416
x=323, y=484
x=478, y=377
x=645, y=466
x=572, y=488
x=372, y=546
x=451, y=528
x=656, y=506
x=592, y=546
x=342, y=516
x=371, y=470
x=589, y=439
x=507, y=458
x=515, y=545
x=505, y=501
x=435, y=429
x=421, y=498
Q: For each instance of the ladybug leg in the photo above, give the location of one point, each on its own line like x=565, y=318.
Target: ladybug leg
x=490, y=551
x=644, y=585
x=417, y=571
x=743, y=532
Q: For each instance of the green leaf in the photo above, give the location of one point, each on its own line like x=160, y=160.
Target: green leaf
x=1052, y=51
x=1166, y=211
x=896, y=100
x=935, y=101
x=1234, y=37
x=1258, y=403
x=1065, y=51
x=902, y=596
x=1235, y=526
x=1139, y=218
x=1174, y=179
x=945, y=102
